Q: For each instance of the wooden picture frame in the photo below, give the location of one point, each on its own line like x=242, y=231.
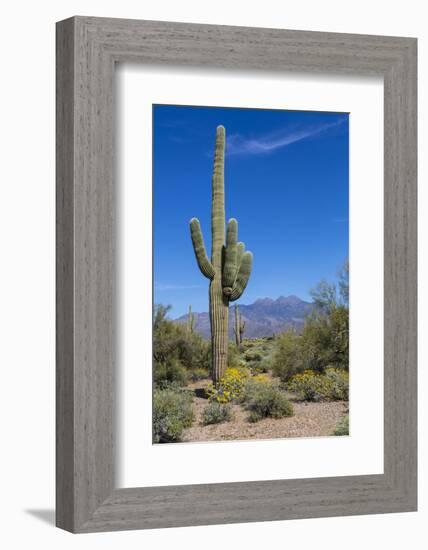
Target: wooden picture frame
x=87, y=50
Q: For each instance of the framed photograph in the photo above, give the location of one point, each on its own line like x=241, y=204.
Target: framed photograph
x=236, y=274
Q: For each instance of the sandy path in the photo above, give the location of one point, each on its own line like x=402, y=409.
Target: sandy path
x=309, y=420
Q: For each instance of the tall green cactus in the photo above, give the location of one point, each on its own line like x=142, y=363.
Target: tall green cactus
x=239, y=327
x=230, y=266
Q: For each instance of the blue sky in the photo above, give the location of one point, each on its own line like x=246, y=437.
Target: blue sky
x=286, y=182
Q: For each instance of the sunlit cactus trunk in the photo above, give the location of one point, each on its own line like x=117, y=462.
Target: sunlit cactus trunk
x=219, y=320
x=230, y=266
x=219, y=303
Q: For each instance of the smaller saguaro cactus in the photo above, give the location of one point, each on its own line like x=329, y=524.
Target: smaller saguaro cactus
x=190, y=321
x=239, y=327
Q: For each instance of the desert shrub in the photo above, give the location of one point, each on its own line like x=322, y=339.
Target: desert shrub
x=172, y=412
x=339, y=325
x=313, y=386
x=230, y=387
x=246, y=344
x=342, y=427
x=215, y=413
x=233, y=356
x=328, y=326
x=252, y=355
x=307, y=386
x=287, y=356
x=315, y=343
x=337, y=384
x=175, y=351
x=173, y=371
x=192, y=350
x=260, y=377
x=323, y=343
x=173, y=386
x=263, y=398
x=325, y=339
x=257, y=367
x=198, y=374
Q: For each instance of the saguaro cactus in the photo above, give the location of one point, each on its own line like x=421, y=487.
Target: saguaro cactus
x=239, y=327
x=230, y=266
x=190, y=321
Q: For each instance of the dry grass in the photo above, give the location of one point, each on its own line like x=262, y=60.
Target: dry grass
x=309, y=420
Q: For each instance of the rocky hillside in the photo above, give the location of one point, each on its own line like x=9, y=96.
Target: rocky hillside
x=262, y=318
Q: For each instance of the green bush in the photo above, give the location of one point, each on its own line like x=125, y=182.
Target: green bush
x=313, y=386
x=172, y=412
x=198, y=374
x=233, y=356
x=176, y=352
x=307, y=386
x=258, y=367
x=342, y=427
x=215, y=413
x=325, y=335
x=252, y=355
x=173, y=371
x=337, y=384
x=287, y=356
x=325, y=339
x=339, y=324
x=264, y=399
x=173, y=386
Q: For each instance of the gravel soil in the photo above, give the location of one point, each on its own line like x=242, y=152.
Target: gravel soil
x=309, y=420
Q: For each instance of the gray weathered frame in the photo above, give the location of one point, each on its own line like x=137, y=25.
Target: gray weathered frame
x=87, y=50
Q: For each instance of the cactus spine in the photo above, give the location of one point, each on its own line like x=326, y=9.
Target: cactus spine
x=190, y=321
x=230, y=266
x=239, y=327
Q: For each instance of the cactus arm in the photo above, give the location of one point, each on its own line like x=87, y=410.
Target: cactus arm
x=240, y=249
x=243, y=276
x=199, y=248
x=217, y=210
x=230, y=256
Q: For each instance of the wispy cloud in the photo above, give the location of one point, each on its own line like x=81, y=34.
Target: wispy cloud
x=178, y=139
x=173, y=123
x=240, y=145
x=161, y=287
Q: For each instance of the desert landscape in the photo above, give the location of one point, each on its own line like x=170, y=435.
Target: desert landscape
x=275, y=368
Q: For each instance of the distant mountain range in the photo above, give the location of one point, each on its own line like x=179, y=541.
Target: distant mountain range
x=264, y=317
